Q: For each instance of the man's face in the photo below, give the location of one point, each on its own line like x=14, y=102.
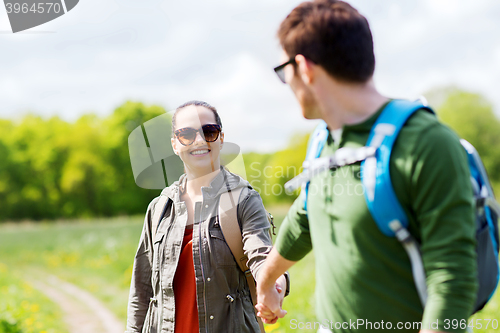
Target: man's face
x=302, y=92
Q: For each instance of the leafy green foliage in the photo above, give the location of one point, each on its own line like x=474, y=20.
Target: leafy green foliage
x=53, y=169
x=472, y=117
x=268, y=173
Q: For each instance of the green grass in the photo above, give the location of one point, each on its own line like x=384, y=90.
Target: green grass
x=97, y=255
x=300, y=303
x=490, y=316
x=24, y=309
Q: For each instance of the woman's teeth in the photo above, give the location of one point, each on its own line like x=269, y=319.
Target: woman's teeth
x=199, y=152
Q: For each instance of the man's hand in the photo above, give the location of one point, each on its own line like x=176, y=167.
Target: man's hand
x=268, y=316
x=271, y=286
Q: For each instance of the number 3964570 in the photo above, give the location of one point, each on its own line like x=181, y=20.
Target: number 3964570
x=40, y=8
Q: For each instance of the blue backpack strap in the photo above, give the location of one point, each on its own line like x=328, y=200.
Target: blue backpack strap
x=314, y=147
x=483, y=189
x=380, y=197
x=487, y=212
x=317, y=141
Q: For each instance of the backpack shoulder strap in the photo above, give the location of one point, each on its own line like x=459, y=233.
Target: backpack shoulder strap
x=487, y=213
x=228, y=221
x=380, y=197
x=314, y=147
x=159, y=210
x=317, y=141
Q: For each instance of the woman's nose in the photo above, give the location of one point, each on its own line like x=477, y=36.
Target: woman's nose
x=199, y=137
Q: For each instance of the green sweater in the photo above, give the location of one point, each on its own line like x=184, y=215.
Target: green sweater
x=362, y=274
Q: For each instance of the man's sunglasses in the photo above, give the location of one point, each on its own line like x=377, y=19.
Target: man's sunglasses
x=187, y=135
x=280, y=70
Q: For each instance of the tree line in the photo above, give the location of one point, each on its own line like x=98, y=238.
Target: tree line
x=50, y=168
x=56, y=169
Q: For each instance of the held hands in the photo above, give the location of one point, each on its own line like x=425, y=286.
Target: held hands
x=270, y=301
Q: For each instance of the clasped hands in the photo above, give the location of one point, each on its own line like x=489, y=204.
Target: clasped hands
x=270, y=300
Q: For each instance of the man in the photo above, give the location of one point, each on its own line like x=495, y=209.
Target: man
x=361, y=274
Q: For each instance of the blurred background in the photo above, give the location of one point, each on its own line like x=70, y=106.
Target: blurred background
x=73, y=89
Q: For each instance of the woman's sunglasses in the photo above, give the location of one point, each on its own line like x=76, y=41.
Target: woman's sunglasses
x=187, y=135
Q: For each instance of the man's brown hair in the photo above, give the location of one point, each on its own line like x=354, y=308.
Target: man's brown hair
x=333, y=35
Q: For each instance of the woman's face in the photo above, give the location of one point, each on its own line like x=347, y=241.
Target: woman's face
x=200, y=157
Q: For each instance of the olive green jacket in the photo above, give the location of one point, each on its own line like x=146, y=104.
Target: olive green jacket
x=223, y=297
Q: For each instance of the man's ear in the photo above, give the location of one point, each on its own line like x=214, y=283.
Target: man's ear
x=305, y=69
x=221, y=139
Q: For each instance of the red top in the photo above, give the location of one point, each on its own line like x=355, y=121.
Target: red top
x=186, y=308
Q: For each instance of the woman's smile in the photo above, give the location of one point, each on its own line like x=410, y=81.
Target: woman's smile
x=200, y=152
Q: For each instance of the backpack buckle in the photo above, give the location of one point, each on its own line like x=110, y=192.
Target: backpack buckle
x=402, y=234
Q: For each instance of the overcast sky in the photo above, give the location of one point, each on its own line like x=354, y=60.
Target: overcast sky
x=104, y=52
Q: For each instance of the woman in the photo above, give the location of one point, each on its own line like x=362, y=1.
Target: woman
x=186, y=279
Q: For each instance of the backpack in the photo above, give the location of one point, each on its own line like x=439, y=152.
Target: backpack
x=384, y=205
x=230, y=228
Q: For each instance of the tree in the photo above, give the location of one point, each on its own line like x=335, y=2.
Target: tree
x=125, y=196
x=52, y=168
x=268, y=173
x=472, y=117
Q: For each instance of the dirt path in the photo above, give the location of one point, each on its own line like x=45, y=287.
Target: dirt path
x=83, y=313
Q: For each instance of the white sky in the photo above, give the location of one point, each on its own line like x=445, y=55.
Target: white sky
x=104, y=52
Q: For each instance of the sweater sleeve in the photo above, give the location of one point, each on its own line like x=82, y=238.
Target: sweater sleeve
x=443, y=204
x=294, y=240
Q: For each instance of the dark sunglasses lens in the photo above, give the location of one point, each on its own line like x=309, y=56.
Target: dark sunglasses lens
x=211, y=133
x=187, y=136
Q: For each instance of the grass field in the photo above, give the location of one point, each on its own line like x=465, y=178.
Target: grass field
x=97, y=256
x=23, y=309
